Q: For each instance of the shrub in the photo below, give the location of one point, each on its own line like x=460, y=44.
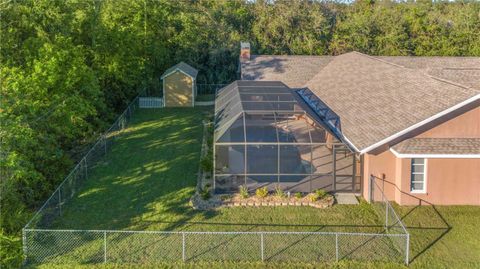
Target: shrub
x=279, y=192
x=243, y=192
x=207, y=164
x=224, y=197
x=320, y=193
x=205, y=192
x=262, y=192
x=317, y=195
x=298, y=195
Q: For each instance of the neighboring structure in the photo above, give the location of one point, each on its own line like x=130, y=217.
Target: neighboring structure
x=179, y=86
x=413, y=121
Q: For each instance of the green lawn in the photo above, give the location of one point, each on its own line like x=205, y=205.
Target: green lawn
x=146, y=181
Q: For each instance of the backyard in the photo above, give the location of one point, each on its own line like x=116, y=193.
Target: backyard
x=147, y=179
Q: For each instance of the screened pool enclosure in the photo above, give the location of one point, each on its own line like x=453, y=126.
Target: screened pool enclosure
x=264, y=136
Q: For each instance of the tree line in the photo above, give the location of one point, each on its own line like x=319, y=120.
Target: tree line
x=69, y=66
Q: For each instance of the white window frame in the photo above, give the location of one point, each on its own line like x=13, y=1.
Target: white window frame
x=424, y=173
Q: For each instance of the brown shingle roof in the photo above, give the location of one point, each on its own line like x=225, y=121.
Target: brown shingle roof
x=453, y=146
x=185, y=68
x=376, y=99
x=463, y=70
x=294, y=71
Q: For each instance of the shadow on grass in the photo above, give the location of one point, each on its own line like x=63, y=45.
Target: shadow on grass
x=146, y=180
x=151, y=168
x=423, y=221
x=424, y=237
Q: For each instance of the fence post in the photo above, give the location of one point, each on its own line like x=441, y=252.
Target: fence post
x=183, y=247
x=24, y=243
x=336, y=247
x=104, y=246
x=386, y=215
x=262, y=246
x=105, y=143
x=407, y=252
x=369, y=195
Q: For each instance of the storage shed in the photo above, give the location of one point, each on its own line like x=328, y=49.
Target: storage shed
x=179, y=87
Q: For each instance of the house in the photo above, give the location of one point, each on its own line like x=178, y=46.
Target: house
x=179, y=86
x=411, y=123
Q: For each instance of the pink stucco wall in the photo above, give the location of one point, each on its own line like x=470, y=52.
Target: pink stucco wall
x=448, y=181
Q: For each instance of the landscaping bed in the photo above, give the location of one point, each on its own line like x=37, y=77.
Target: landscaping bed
x=317, y=199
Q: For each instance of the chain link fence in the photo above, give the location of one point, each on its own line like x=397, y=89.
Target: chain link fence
x=389, y=218
x=51, y=210
x=149, y=247
x=43, y=243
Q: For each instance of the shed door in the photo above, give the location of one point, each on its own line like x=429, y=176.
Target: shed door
x=178, y=90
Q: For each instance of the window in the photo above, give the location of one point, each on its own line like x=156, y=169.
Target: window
x=418, y=175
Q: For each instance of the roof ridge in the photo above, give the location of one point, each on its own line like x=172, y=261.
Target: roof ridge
x=422, y=73
x=319, y=71
x=292, y=55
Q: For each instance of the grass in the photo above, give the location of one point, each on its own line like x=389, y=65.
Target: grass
x=146, y=181
x=443, y=236
x=149, y=174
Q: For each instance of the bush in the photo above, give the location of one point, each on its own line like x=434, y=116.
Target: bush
x=298, y=195
x=11, y=251
x=244, y=192
x=279, y=192
x=205, y=192
x=317, y=195
x=262, y=192
x=224, y=197
x=320, y=193
x=207, y=163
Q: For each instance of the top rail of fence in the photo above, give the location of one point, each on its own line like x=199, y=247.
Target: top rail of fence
x=212, y=232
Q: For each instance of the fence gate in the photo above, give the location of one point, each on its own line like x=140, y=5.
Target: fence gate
x=150, y=102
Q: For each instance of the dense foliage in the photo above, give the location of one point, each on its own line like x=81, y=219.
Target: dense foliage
x=67, y=66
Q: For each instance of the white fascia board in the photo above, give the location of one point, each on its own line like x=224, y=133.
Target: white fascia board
x=435, y=156
x=421, y=123
x=350, y=143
